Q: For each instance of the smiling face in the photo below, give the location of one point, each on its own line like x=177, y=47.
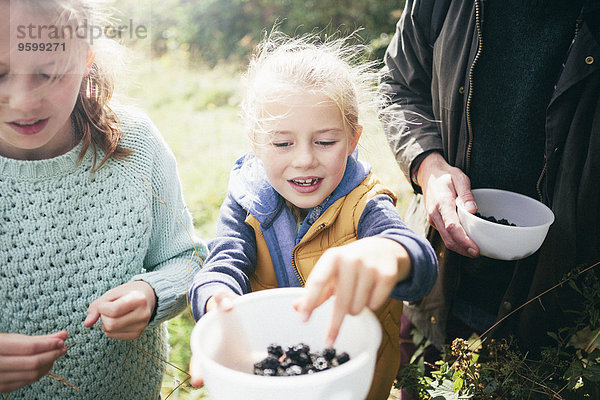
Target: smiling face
x=307, y=147
x=38, y=89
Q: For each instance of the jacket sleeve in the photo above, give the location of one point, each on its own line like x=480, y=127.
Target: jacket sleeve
x=231, y=259
x=406, y=81
x=380, y=218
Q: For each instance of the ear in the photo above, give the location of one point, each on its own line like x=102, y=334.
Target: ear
x=354, y=142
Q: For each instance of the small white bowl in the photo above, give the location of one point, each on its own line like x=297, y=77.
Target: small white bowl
x=503, y=242
x=227, y=344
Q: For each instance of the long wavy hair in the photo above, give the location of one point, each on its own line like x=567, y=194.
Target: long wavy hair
x=95, y=124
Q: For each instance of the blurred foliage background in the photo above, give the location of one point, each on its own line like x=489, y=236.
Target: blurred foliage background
x=217, y=31
x=185, y=73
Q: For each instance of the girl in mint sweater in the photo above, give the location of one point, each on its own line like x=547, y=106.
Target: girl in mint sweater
x=91, y=260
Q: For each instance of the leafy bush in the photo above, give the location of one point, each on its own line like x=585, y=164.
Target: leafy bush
x=497, y=370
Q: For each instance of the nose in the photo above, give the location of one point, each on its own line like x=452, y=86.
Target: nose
x=304, y=157
x=23, y=93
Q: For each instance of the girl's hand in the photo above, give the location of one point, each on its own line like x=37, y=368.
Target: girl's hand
x=222, y=300
x=360, y=274
x=25, y=359
x=442, y=184
x=125, y=310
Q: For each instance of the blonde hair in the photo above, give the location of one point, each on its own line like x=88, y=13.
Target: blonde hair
x=335, y=68
x=94, y=122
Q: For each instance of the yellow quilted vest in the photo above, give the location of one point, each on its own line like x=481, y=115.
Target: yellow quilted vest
x=335, y=227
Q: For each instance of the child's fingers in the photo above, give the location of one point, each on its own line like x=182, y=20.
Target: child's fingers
x=130, y=323
x=379, y=295
x=131, y=333
x=364, y=291
x=224, y=300
x=320, y=285
x=60, y=335
x=337, y=318
x=23, y=345
x=93, y=313
x=38, y=362
x=345, y=291
x=92, y=316
x=196, y=379
x=122, y=305
x=312, y=299
x=221, y=300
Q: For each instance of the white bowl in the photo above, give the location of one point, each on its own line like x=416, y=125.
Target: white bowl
x=503, y=242
x=228, y=343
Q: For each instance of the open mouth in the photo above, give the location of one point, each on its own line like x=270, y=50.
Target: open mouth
x=29, y=127
x=28, y=123
x=306, y=182
x=306, y=185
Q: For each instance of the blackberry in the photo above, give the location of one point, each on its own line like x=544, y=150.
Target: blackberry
x=328, y=353
x=491, y=218
x=269, y=372
x=297, y=360
x=320, y=364
x=286, y=362
x=269, y=362
x=294, y=352
x=342, y=358
x=275, y=350
x=293, y=370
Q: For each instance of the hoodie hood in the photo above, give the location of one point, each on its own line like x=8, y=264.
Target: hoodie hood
x=249, y=186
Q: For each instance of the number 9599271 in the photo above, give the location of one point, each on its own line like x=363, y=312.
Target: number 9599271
x=43, y=46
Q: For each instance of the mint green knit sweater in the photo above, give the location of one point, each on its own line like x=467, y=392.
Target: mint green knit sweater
x=68, y=236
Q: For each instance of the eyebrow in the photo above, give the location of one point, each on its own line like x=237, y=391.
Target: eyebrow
x=48, y=64
x=329, y=130
x=324, y=130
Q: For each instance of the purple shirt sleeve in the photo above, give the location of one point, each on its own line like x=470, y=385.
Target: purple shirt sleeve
x=380, y=218
x=231, y=259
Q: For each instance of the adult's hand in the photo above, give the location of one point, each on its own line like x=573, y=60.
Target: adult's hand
x=125, y=310
x=25, y=359
x=442, y=186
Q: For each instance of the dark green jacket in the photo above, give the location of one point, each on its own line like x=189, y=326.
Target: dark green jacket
x=427, y=79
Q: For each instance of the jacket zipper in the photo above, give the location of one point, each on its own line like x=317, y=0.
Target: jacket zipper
x=470, y=94
x=294, y=266
x=538, y=185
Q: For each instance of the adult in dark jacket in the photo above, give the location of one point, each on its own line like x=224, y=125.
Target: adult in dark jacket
x=504, y=94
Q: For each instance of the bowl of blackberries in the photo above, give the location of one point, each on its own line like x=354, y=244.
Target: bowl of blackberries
x=261, y=349
x=507, y=225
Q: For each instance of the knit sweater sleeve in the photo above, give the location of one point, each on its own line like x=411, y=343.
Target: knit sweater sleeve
x=174, y=254
x=380, y=218
x=231, y=260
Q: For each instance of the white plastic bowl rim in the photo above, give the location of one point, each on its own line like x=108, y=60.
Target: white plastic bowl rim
x=306, y=379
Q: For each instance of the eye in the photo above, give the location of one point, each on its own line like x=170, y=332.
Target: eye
x=281, y=144
x=326, y=143
x=49, y=76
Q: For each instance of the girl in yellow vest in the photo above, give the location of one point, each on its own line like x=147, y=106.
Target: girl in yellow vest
x=302, y=210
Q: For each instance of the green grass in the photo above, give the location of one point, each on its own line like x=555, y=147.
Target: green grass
x=196, y=111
